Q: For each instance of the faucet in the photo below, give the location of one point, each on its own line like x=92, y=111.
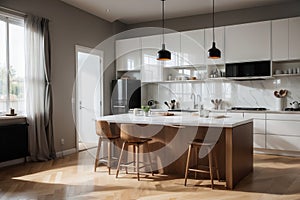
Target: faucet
x=193, y=96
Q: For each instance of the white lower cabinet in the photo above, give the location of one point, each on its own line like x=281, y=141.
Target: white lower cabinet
x=283, y=132
x=289, y=128
x=235, y=115
x=259, y=129
x=259, y=141
x=287, y=143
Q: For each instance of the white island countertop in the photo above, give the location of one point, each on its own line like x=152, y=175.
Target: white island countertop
x=177, y=119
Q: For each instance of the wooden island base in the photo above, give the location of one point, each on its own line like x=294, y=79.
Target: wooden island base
x=234, y=149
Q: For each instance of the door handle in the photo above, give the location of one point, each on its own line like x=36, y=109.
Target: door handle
x=119, y=106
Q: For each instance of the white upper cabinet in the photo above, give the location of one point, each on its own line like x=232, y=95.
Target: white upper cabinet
x=248, y=42
x=128, y=54
x=280, y=40
x=172, y=41
x=151, y=70
x=220, y=44
x=294, y=38
x=192, y=48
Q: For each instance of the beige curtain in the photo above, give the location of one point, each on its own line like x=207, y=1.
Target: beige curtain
x=38, y=88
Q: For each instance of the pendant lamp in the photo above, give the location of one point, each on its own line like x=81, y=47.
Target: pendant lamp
x=214, y=52
x=163, y=54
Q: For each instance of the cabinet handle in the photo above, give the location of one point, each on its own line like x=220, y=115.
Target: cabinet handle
x=119, y=106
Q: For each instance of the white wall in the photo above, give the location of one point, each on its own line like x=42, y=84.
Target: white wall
x=69, y=26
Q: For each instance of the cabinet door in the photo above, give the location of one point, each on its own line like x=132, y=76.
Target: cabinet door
x=192, y=48
x=294, y=38
x=235, y=115
x=152, y=68
x=287, y=143
x=259, y=122
x=283, y=117
x=128, y=54
x=276, y=127
x=219, y=39
x=280, y=40
x=172, y=41
x=259, y=141
x=248, y=42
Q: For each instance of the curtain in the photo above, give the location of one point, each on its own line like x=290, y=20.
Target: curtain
x=38, y=88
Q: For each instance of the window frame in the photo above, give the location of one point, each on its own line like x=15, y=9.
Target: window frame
x=8, y=19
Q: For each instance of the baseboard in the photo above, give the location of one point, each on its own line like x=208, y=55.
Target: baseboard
x=12, y=162
x=22, y=160
x=277, y=152
x=65, y=152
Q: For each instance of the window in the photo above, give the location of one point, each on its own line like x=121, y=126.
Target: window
x=12, y=64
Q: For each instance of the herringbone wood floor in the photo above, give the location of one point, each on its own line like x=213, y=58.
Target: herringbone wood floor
x=72, y=177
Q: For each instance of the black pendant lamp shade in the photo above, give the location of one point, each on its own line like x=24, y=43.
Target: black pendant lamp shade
x=163, y=54
x=213, y=52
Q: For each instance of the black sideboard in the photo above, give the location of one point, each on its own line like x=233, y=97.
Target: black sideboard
x=13, y=141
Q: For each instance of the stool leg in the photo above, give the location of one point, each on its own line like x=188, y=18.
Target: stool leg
x=134, y=157
x=210, y=167
x=137, y=161
x=109, y=156
x=120, y=158
x=97, y=154
x=216, y=164
x=149, y=158
x=187, y=164
x=197, y=152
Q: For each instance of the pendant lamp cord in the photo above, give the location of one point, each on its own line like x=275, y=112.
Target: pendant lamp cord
x=163, y=19
x=213, y=20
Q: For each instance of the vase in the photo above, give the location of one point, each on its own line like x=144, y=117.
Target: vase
x=146, y=114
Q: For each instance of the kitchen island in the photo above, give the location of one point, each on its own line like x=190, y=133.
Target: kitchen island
x=171, y=134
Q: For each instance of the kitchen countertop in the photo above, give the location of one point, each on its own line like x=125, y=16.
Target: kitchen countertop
x=182, y=119
x=258, y=111
x=235, y=111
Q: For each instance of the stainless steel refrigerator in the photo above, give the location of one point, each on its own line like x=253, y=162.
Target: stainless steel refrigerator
x=126, y=94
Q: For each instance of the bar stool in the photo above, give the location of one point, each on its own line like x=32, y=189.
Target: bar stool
x=197, y=143
x=130, y=135
x=104, y=132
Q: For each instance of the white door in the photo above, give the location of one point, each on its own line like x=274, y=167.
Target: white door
x=89, y=86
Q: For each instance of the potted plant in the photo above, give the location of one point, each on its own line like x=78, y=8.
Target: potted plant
x=146, y=110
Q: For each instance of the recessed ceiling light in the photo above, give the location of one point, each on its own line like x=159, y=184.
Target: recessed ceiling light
x=107, y=10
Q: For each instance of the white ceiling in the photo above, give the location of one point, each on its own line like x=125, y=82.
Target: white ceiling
x=135, y=11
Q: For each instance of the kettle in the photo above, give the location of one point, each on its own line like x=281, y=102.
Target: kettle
x=295, y=105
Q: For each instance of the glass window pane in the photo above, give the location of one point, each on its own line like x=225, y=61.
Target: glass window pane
x=17, y=67
x=3, y=67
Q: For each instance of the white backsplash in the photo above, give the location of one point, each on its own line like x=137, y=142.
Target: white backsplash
x=258, y=93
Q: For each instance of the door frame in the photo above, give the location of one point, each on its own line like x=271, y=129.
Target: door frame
x=79, y=48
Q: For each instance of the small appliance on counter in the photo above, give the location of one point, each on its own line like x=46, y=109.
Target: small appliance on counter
x=295, y=106
x=152, y=104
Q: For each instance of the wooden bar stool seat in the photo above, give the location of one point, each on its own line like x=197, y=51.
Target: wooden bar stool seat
x=105, y=135
x=198, y=143
x=131, y=135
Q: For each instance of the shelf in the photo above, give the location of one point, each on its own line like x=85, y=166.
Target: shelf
x=218, y=79
x=285, y=75
x=199, y=66
x=128, y=70
x=191, y=81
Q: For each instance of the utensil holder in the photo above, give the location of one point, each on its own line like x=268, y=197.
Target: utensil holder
x=279, y=104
